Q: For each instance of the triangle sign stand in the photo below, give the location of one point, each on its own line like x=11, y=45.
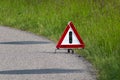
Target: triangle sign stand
x=70, y=38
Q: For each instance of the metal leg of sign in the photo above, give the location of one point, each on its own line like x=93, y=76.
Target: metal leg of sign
x=70, y=50
x=55, y=51
x=58, y=49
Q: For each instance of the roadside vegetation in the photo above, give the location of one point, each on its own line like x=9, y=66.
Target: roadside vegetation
x=97, y=21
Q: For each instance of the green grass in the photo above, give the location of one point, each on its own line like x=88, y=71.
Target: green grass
x=97, y=21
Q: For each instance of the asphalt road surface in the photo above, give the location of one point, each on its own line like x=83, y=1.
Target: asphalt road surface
x=25, y=56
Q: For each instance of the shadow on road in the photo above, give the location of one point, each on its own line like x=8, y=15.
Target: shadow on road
x=41, y=71
x=25, y=42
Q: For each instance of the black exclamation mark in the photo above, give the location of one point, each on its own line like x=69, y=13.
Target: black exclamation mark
x=70, y=37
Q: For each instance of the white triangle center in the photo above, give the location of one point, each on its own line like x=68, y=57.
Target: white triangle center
x=66, y=39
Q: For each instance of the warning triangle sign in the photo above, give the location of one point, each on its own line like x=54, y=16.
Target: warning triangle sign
x=70, y=38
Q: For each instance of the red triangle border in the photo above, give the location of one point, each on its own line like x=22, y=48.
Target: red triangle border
x=82, y=45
